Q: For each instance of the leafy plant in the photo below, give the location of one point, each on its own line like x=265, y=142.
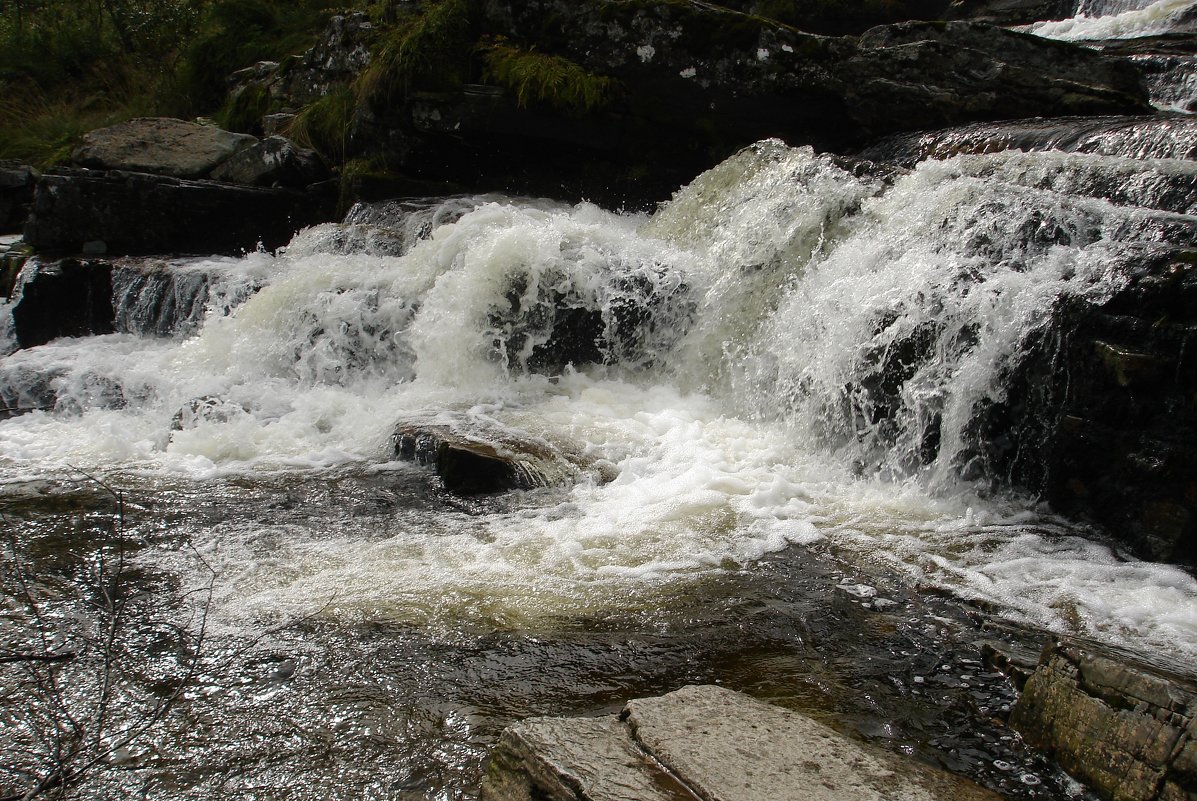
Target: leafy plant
x=554, y=80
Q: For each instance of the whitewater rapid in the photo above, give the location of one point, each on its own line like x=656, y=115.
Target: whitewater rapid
x=740, y=335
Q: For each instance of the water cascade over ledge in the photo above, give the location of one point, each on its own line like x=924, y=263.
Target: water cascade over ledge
x=790, y=355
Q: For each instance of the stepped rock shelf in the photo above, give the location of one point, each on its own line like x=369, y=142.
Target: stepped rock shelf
x=710, y=743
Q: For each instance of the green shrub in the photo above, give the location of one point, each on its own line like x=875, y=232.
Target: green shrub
x=428, y=51
x=324, y=125
x=243, y=111
x=556, y=81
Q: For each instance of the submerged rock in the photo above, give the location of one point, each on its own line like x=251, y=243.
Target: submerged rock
x=474, y=455
x=159, y=145
x=705, y=742
x=1126, y=729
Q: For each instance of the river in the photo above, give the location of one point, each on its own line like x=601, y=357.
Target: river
x=765, y=505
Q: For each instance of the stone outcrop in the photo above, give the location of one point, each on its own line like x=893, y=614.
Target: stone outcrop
x=1126, y=729
x=474, y=455
x=16, y=193
x=710, y=743
x=688, y=83
x=115, y=212
x=64, y=298
x=1099, y=416
x=159, y=145
x=274, y=161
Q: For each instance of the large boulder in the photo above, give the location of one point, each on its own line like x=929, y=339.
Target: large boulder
x=705, y=742
x=159, y=145
x=116, y=212
x=1125, y=728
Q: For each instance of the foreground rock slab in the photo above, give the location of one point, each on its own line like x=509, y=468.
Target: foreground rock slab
x=709, y=743
x=1128, y=730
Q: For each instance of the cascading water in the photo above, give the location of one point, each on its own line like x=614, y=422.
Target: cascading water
x=1119, y=19
x=786, y=356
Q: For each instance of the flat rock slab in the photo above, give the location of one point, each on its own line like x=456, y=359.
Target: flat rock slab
x=709, y=743
x=159, y=145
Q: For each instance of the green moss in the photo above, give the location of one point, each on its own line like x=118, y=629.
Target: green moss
x=244, y=110
x=550, y=79
x=427, y=51
x=324, y=125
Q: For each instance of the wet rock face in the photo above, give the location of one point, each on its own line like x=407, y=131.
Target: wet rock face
x=159, y=145
x=1101, y=418
x=274, y=161
x=1125, y=729
x=16, y=193
x=476, y=456
x=65, y=298
x=115, y=212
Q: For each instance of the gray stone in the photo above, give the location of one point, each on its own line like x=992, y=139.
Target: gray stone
x=275, y=161
x=728, y=747
x=1123, y=727
x=705, y=743
x=574, y=758
x=473, y=455
x=159, y=145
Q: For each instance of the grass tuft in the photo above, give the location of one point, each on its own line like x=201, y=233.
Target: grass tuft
x=554, y=80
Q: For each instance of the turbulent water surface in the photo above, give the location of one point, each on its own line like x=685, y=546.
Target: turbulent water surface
x=788, y=496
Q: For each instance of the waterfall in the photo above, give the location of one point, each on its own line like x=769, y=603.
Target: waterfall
x=1097, y=20
x=794, y=349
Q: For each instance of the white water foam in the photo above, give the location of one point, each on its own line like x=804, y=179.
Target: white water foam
x=1114, y=21
x=739, y=420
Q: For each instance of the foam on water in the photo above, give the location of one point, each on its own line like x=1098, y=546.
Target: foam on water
x=1100, y=21
x=742, y=337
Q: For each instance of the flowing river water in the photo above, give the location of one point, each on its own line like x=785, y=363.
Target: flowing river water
x=328, y=622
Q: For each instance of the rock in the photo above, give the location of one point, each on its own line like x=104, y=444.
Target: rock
x=340, y=55
x=710, y=743
x=945, y=73
x=274, y=161
x=1157, y=137
x=1112, y=439
x=1125, y=728
x=13, y=255
x=137, y=213
x=205, y=409
x=16, y=193
x=695, y=82
x=1010, y=12
x=473, y=455
x=277, y=124
x=159, y=145
x=63, y=298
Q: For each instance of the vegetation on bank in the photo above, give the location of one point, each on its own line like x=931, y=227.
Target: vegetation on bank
x=69, y=66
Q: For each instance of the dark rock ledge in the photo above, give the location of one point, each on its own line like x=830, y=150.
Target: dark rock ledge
x=710, y=743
